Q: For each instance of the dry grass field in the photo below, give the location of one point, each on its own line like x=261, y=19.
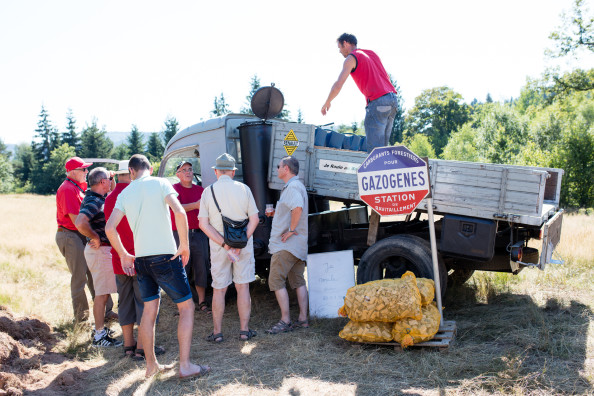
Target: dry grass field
x=530, y=334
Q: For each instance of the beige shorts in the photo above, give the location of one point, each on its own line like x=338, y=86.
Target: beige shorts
x=283, y=266
x=99, y=263
x=224, y=272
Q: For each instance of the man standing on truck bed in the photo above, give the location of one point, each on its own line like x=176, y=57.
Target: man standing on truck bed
x=288, y=246
x=370, y=76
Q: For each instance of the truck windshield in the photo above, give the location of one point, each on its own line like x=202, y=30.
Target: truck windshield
x=173, y=162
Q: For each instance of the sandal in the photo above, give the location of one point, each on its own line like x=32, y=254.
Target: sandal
x=280, y=327
x=131, y=349
x=139, y=354
x=301, y=324
x=249, y=334
x=203, y=307
x=217, y=338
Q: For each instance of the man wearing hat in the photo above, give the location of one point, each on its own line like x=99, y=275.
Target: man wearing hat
x=71, y=243
x=229, y=265
x=189, y=197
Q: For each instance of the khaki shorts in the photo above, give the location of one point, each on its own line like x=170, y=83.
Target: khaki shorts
x=284, y=265
x=225, y=272
x=99, y=263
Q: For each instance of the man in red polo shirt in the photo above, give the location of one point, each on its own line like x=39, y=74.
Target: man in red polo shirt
x=72, y=243
x=199, y=264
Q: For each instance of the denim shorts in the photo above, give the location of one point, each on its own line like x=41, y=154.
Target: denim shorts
x=160, y=272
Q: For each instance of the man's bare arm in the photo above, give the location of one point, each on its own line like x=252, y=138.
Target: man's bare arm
x=84, y=227
x=348, y=65
x=181, y=223
x=114, y=238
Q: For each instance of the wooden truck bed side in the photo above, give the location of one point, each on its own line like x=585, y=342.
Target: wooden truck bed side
x=518, y=194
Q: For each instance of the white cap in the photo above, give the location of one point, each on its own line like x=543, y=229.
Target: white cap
x=122, y=167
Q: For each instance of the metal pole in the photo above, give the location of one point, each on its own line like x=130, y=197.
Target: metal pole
x=434, y=256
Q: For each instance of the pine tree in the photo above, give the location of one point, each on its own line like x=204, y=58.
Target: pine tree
x=254, y=86
x=120, y=152
x=154, y=147
x=95, y=143
x=46, y=138
x=220, y=106
x=171, y=128
x=70, y=137
x=299, y=116
x=488, y=99
x=135, y=142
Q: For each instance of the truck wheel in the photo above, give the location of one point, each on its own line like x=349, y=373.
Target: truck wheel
x=392, y=257
x=459, y=276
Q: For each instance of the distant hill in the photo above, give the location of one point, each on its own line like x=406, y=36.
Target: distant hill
x=116, y=137
x=120, y=137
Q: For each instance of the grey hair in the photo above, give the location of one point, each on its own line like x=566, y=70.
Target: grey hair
x=292, y=163
x=96, y=175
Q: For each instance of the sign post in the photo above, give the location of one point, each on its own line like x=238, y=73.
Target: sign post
x=393, y=181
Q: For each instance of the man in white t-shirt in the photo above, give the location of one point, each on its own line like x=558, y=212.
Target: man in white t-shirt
x=158, y=263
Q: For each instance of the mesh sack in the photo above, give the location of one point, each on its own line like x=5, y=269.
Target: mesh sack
x=367, y=331
x=427, y=289
x=385, y=300
x=411, y=331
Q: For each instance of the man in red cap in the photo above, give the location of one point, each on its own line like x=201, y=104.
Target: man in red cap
x=71, y=242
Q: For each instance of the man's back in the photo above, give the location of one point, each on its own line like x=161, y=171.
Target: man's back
x=143, y=203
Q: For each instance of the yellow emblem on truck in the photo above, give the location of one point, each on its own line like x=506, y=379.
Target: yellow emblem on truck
x=290, y=143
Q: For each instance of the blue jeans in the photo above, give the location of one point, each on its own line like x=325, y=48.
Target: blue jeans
x=379, y=118
x=160, y=272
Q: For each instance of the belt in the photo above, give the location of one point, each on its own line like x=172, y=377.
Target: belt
x=63, y=229
x=105, y=244
x=194, y=230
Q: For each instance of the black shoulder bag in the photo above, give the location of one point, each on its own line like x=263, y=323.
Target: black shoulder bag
x=235, y=232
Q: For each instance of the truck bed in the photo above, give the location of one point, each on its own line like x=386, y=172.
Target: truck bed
x=518, y=194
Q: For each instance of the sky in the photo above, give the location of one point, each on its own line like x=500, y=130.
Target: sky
x=125, y=63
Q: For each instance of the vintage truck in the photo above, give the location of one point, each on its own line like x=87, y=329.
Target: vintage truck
x=487, y=213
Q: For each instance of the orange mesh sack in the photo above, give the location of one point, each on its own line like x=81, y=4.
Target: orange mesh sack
x=385, y=300
x=427, y=289
x=412, y=331
x=367, y=331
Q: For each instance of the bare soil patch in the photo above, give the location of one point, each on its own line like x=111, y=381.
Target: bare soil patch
x=28, y=363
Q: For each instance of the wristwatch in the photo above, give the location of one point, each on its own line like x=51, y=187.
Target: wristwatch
x=290, y=230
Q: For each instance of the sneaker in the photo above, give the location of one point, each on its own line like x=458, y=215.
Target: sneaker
x=109, y=332
x=107, y=341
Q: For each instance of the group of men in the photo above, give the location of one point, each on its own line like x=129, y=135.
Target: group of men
x=138, y=239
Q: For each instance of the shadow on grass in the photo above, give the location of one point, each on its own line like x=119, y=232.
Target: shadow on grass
x=505, y=344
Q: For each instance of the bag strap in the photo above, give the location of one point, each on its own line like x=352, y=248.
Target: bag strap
x=215, y=198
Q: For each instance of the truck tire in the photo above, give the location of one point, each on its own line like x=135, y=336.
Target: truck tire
x=392, y=257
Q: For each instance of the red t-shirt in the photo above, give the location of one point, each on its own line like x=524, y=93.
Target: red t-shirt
x=123, y=228
x=370, y=75
x=188, y=195
x=68, y=199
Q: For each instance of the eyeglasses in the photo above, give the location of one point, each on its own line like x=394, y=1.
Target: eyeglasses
x=187, y=170
x=82, y=169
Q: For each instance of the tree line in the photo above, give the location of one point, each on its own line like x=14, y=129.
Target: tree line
x=551, y=124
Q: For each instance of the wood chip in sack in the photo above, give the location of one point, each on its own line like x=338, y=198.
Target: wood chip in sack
x=410, y=331
x=367, y=332
x=385, y=300
x=427, y=289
